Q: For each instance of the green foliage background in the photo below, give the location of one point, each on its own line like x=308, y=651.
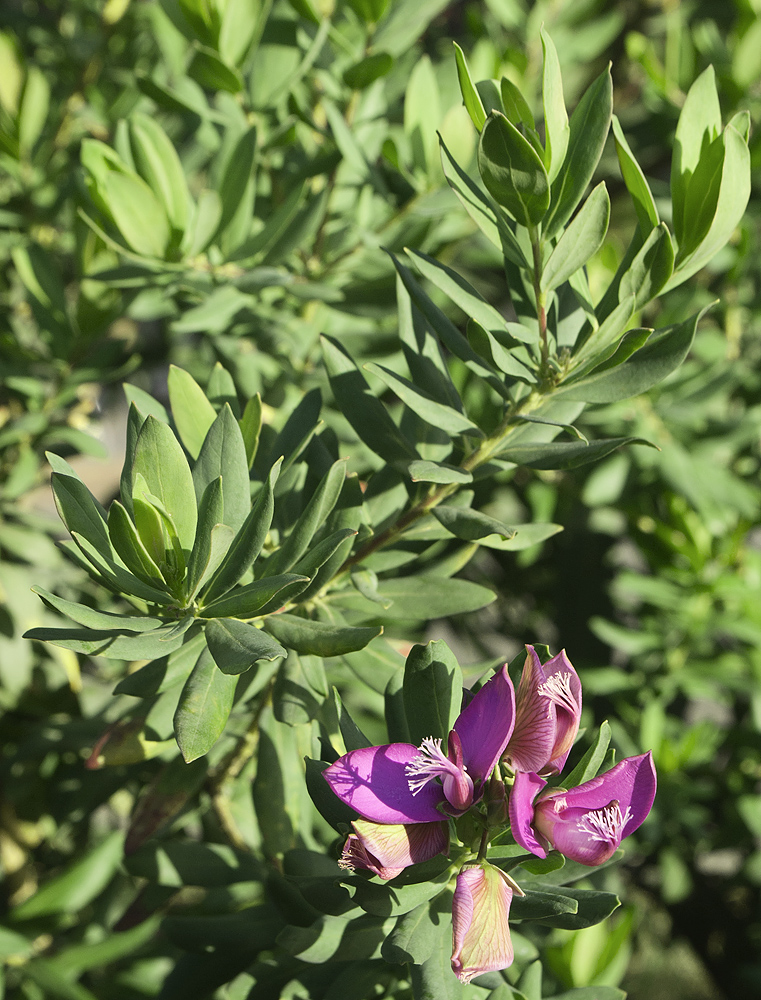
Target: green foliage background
x=213, y=187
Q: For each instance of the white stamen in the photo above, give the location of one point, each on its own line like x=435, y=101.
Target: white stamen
x=558, y=689
x=430, y=763
x=605, y=824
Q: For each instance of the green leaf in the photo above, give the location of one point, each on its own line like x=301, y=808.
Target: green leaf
x=556, y=128
x=251, y=426
x=460, y=291
x=436, y=414
x=365, y=413
x=663, y=353
x=361, y=74
x=159, y=458
x=236, y=191
x=79, y=885
x=247, y=544
x=207, y=69
x=699, y=124
x=203, y=708
x=103, y=620
x=156, y=160
x=565, y=455
x=517, y=111
x=192, y=412
x=209, y=548
x=237, y=646
x=240, y=22
x=525, y=535
x=245, y=602
x=128, y=544
x=419, y=598
x=313, y=516
x=76, y=959
x=588, y=131
x=734, y=192
x=104, y=567
x=33, y=109
x=489, y=348
x=512, y=171
x=541, y=905
x=319, y=554
x=319, y=638
x=592, y=906
x=146, y=405
x=329, y=806
x=415, y=935
x=203, y=223
x=636, y=184
x=137, y=212
x=437, y=472
x=469, y=524
x=447, y=332
x=590, y=764
x=580, y=240
x=162, y=674
x=300, y=689
x=650, y=269
x=432, y=691
x=223, y=453
x=79, y=510
x=470, y=97
x=114, y=645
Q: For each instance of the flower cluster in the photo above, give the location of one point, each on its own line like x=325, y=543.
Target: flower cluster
x=406, y=797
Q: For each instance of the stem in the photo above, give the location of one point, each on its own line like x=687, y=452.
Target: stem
x=483, y=845
x=541, y=313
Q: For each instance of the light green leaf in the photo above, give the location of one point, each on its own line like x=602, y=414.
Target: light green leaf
x=556, y=127
x=470, y=97
x=565, y=455
x=469, y=524
x=136, y=211
x=636, y=184
x=580, y=240
x=159, y=458
x=588, y=131
x=91, y=618
x=192, y=412
x=436, y=414
x=437, y=472
x=223, y=453
x=157, y=162
x=650, y=269
x=246, y=602
x=207, y=69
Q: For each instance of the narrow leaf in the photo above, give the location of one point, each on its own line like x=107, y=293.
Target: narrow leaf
x=237, y=646
x=203, y=709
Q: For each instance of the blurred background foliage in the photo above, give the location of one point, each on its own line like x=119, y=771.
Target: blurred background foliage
x=318, y=121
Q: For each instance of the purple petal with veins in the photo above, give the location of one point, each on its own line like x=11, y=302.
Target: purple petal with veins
x=373, y=781
x=530, y=746
x=486, y=724
x=525, y=789
x=563, y=687
x=431, y=762
x=480, y=931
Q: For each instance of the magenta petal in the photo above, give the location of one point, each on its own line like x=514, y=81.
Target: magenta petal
x=632, y=783
x=530, y=746
x=374, y=783
x=485, y=726
x=567, y=703
x=521, y=808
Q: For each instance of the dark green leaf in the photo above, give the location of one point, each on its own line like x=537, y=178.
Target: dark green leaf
x=512, y=171
x=318, y=638
x=327, y=803
x=650, y=269
x=437, y=472
x=565, y=455
x=245, y=602
x=663, y=353
x=592, y=906
x=541, y=905
x=203, y=708
x=469, y=524
x=162, y=674
x=432, y=691
x=419, y=598
x=592, y=760
x=93, y=619
x=319, y=554
x=204, y=552
x=113, y=645
x=237, y=646
x=487, y=346
x=80, y=511
x=127, y=543
x=361, y=74
x=208, y=69
x=300, y=689
x=449, y=420
x=364, y=412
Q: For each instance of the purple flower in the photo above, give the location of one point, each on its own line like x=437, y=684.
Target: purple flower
x=480, y=933
x=399, y=783
x=547, y=712
x=386, y=849
x=586, y=823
